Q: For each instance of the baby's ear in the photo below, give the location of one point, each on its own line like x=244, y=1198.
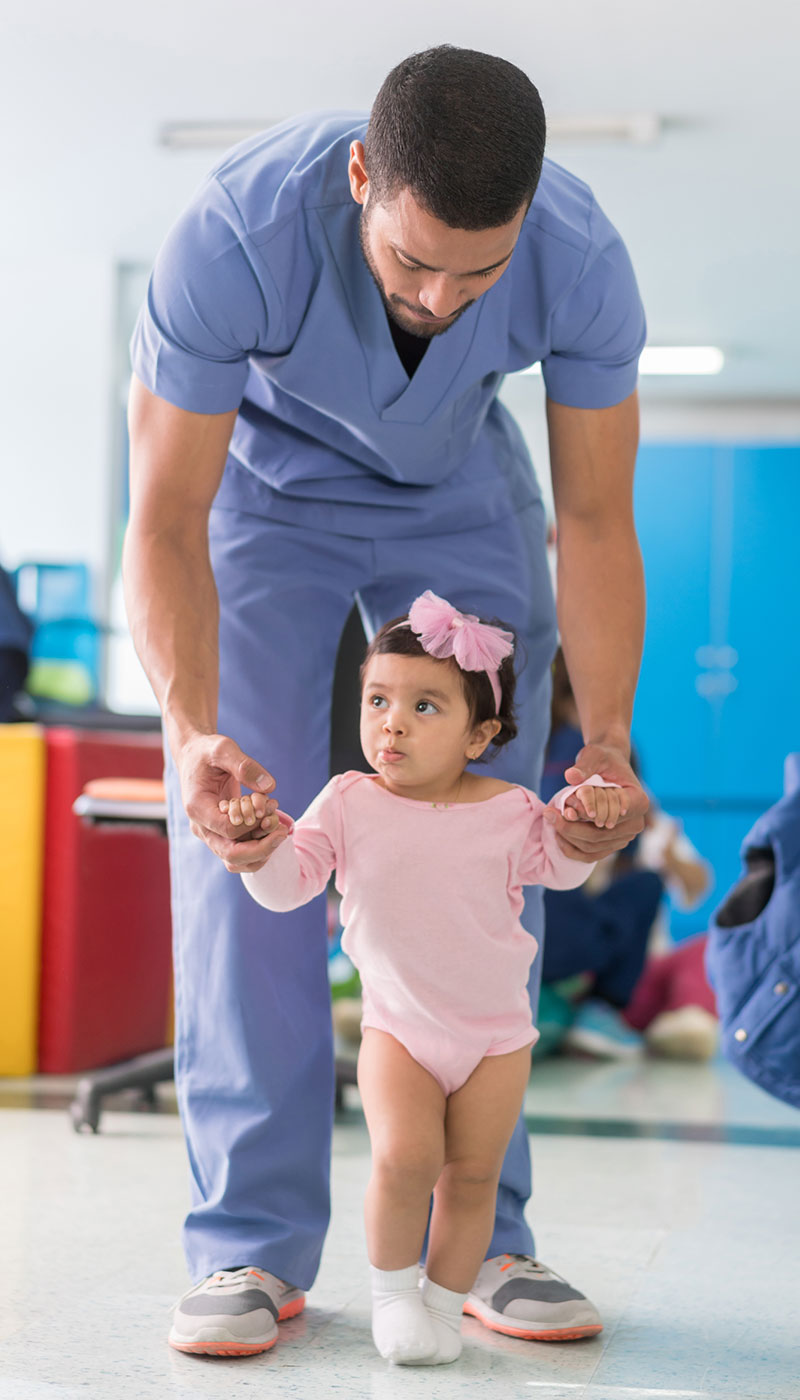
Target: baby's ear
x=490, y=729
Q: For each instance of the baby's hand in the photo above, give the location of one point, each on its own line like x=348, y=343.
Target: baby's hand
x=251, y=811
x=601, y=805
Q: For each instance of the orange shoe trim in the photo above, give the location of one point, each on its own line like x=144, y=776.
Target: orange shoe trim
x=561, y=1334
x=292, y=1309
x=222, y=1348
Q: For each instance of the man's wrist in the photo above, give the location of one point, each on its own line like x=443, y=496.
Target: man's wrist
x=613, y=736
x=181, y=732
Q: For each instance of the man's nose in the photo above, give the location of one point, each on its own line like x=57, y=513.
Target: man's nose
x=439, y=297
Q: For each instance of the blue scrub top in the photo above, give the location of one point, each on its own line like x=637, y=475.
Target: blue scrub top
x=260, y=300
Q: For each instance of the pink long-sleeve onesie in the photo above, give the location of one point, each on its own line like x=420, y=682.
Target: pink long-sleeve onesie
x=431, y=899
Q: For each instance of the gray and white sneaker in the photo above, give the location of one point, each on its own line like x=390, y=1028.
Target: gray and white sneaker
x=521, y=1297
x=234, y=1313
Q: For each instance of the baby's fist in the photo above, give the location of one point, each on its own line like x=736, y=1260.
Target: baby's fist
x=600, y=805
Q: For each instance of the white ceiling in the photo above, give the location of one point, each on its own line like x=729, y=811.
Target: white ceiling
x=710, y=212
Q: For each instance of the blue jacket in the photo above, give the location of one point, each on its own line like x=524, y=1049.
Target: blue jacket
x=753, y=956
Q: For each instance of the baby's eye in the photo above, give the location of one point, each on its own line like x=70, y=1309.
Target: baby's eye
x=426, y=707
x=376, y=701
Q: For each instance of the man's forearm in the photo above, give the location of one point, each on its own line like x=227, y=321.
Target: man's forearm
x=601, y=612
x=173, y=612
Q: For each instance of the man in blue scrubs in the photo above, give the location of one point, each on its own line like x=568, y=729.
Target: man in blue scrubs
x=314, y=420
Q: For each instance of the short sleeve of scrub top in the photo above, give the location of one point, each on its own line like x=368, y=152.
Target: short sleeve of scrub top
x=261, y=301
x=206, y=309
x=598, y=328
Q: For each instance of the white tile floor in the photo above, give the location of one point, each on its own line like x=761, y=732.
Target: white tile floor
x=689, y=1249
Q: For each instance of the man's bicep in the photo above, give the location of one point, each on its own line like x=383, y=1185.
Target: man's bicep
x=592, y=459
x=176, y=458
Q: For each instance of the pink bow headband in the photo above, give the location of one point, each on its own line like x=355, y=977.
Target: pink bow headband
x=475, y=646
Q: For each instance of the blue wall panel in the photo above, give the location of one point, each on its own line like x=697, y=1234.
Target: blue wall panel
x=718, y=706
x=759, y=723
x=672, y=724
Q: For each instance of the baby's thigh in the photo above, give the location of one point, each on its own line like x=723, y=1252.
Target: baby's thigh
x=403, y=1105
x=482, y=1114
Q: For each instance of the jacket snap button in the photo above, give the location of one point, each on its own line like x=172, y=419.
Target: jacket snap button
x=741, y=1034
x=780, y=989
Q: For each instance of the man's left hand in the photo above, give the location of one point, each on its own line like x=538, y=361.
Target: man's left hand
x=582, y=840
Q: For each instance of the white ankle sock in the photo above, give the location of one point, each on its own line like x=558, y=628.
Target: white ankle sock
x=401, y=1328
x=445, y=1309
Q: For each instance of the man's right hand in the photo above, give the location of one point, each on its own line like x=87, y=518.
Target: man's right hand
x=212, y=768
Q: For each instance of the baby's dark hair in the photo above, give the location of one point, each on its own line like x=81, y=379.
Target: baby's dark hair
x=398, y=640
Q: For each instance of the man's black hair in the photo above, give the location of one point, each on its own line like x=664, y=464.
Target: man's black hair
x=463, y=131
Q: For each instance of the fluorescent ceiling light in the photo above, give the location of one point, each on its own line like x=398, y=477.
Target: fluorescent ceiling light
x=681, y=359
x=671, y=359
x=641, y=128
x=637, y=128
x=199, y=136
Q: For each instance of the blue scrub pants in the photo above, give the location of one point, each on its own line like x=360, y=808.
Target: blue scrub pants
x=254, y=1051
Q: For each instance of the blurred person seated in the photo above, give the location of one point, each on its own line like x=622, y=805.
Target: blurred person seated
x=612, y=983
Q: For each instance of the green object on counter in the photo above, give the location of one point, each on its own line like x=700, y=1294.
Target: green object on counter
x=68, y=682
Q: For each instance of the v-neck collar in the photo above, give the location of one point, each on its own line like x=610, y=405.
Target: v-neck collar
x=395, y=397
x=412, y=349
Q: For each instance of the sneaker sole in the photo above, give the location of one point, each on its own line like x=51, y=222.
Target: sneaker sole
x=498, y=1322
x=221, y=1348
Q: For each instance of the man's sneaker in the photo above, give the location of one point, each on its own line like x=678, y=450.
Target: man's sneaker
x=515, y=1294
x=234, y=1313
x=600, y=1031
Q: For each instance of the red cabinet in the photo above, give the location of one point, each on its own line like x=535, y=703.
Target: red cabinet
x=106, y=960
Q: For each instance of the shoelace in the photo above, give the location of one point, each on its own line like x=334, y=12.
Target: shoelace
x=231, y=1278
x=225, y=1278
x=524, y=1264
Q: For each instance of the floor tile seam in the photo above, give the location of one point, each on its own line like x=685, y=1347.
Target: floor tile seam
x=657, y=1247
x=628, y=1305
x=688, y=1133
x=333, y=1316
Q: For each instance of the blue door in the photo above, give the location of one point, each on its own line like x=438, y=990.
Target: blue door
x=718, y=706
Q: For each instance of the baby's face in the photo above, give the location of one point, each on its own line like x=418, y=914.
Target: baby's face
x=415, y=724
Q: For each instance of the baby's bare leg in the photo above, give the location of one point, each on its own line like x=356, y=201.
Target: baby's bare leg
x=479, y=1122
x=404, y=1108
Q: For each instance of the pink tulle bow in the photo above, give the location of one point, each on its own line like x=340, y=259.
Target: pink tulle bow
x=443, y=631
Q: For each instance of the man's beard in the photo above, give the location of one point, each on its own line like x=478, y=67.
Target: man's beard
x=395, y=305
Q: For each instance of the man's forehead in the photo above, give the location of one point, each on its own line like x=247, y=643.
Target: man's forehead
x=424, y=239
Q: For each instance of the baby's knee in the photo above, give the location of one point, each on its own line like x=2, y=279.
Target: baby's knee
x=407, y=1165
x=470, y=1176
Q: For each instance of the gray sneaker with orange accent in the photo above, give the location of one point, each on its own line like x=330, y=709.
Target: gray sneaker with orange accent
x=234, y=1313
x=521, y=1297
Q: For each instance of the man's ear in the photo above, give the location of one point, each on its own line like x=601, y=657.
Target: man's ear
x=357, y=171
